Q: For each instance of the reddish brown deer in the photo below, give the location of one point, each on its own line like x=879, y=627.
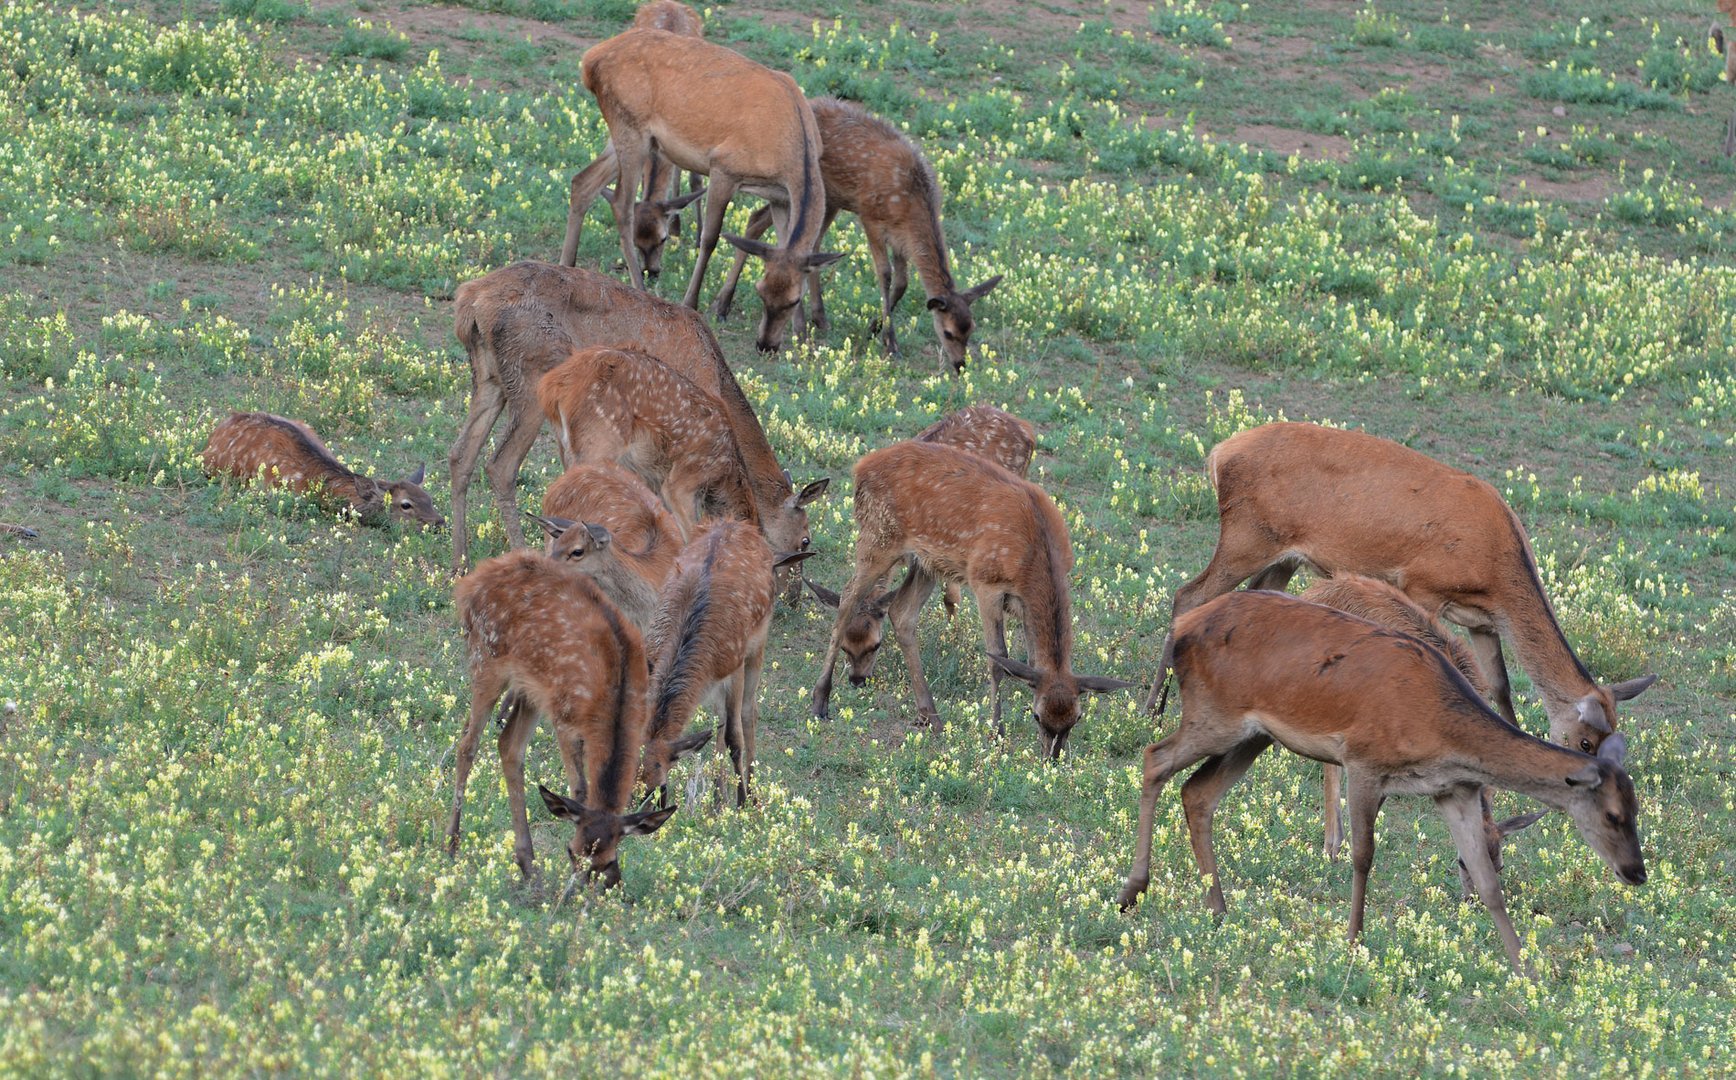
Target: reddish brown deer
x=1386, y=606
x=1259, y=667
x=964, y=519
x=518, y=322
x=987, y=432
x=630, y=542
x=872, y=170
x=711, y=110
x=287, y=453
x=1294, y=495
x=625, y=406
x=708, y=645
x=550, y=634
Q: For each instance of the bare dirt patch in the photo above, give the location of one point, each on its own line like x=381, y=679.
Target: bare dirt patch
x=1588, y=189
x=1284, y=141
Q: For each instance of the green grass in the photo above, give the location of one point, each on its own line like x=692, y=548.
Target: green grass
x=224, y=786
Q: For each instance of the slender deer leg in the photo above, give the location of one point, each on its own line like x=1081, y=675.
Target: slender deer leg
x=751, y=672
x=1365, y=799
x=883, y=276
x=1463, y=809
x=486, y=402
x=716, y=202
x=1486, y=646
x=520, y=722
x=820, y=321
x=900, y=281
x=485, y=688
x=587, y=184
x=994, y=615
x=734, y=736
x=757, y=224
x=1163, y=759
x=523, y=426
x=1332, y=779
x=1199, y=801
x=903, y=610
x=631, y=153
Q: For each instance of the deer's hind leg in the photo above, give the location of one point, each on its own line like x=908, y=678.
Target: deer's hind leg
x=486, y=685
x=1200, y=796
x=487, y=400
x=520, y=722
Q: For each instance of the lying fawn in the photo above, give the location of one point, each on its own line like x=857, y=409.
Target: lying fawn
x=548, y=632
x=872, y=170
x=1293, y=495
x=625, y=406
x=1386, y=606
x=1260, y=667
x=287, y=453
x=708, y=645
x=964, y=519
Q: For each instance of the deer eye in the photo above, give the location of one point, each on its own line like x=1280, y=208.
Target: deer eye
x=576, y=554
x=1585, y=745
x=807, y=542
x=1613, y=819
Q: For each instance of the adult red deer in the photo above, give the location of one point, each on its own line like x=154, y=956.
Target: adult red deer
x=1259, y=667
x=711, y=110
x=1386, y=606
x=518, y=322
x=287, y=453
x=1293, y=495
x=969, y=520
x=548, y=632
x=708, y=645
x=872, y=170
x=625, y=406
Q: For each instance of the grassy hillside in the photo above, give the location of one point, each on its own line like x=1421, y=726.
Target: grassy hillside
x=1502, y=237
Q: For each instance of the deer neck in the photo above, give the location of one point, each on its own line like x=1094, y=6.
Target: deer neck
x=1542, y=649
x=808, y=194
x=1512, y=760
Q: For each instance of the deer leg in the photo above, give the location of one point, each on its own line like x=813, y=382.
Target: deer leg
x=631, y=151
x=900, y=281
x=869, y=570
x=757, y=224
x=520, y=722
x=883, y=277
x=1486, y=647
x=1274, y=577
x=994, y=616
x=485, y=688
x=1365, y=799
x=587, y=184
x=903, y=611
x=1463, y=809
x=1199, y=801
x=523, y=426
x=716, y=202
x=1332, y=780
x=821, y=322
x=1163, y=759
x=1238, y=556
x=487, y=399
x=751, y=672
x=734, y=735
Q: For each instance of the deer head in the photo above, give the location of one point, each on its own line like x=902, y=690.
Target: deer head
x=953, y=321
x=1600, y=799
x=780, y=288
x=653, y=220
x=863, y=635
x=597, y=833
x=402, y=501
x=1583, y=725
x=1055, y=706
x=786, y=529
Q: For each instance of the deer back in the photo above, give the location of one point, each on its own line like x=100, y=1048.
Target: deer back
x=603, y=493
x=671, y=17
x=552, y=634
x=989, y=433
x=1384, y=605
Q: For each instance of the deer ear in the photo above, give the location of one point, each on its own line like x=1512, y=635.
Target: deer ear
x=822, y=258
x=1509, y=826
x=752, y=247
x=1588, y=775
x=824, y=595
x=1023, y=672
x=1614, y=750
x=813, y=490
x=418, y=476
x=789, y=481
x=935, y=303
x=1633, y=688
x=648, y=822
x=669, y=206
x=1591, y=714
x=791, y=558
x=560, y=806
x=1100, y=684
x=553, y=526
x=977, y=292
x=599, y=534
x=687, y=744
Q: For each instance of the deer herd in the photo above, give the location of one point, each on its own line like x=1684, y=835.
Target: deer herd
x=675, y=528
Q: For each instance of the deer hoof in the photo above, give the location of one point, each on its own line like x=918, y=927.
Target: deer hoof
x=1130, y=893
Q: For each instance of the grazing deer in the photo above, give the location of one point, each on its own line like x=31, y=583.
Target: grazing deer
x=518, y=322
x=655, y=219
x=289, y=454
x=708, y=645
x=985, y=431
x=872, y=170
x=1294, y=495
x=1260, y=667
x=625, y=406
x=548, y=633
x=1387, y=607
x=630, y=542
x=711, y=110
x=964, y=519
